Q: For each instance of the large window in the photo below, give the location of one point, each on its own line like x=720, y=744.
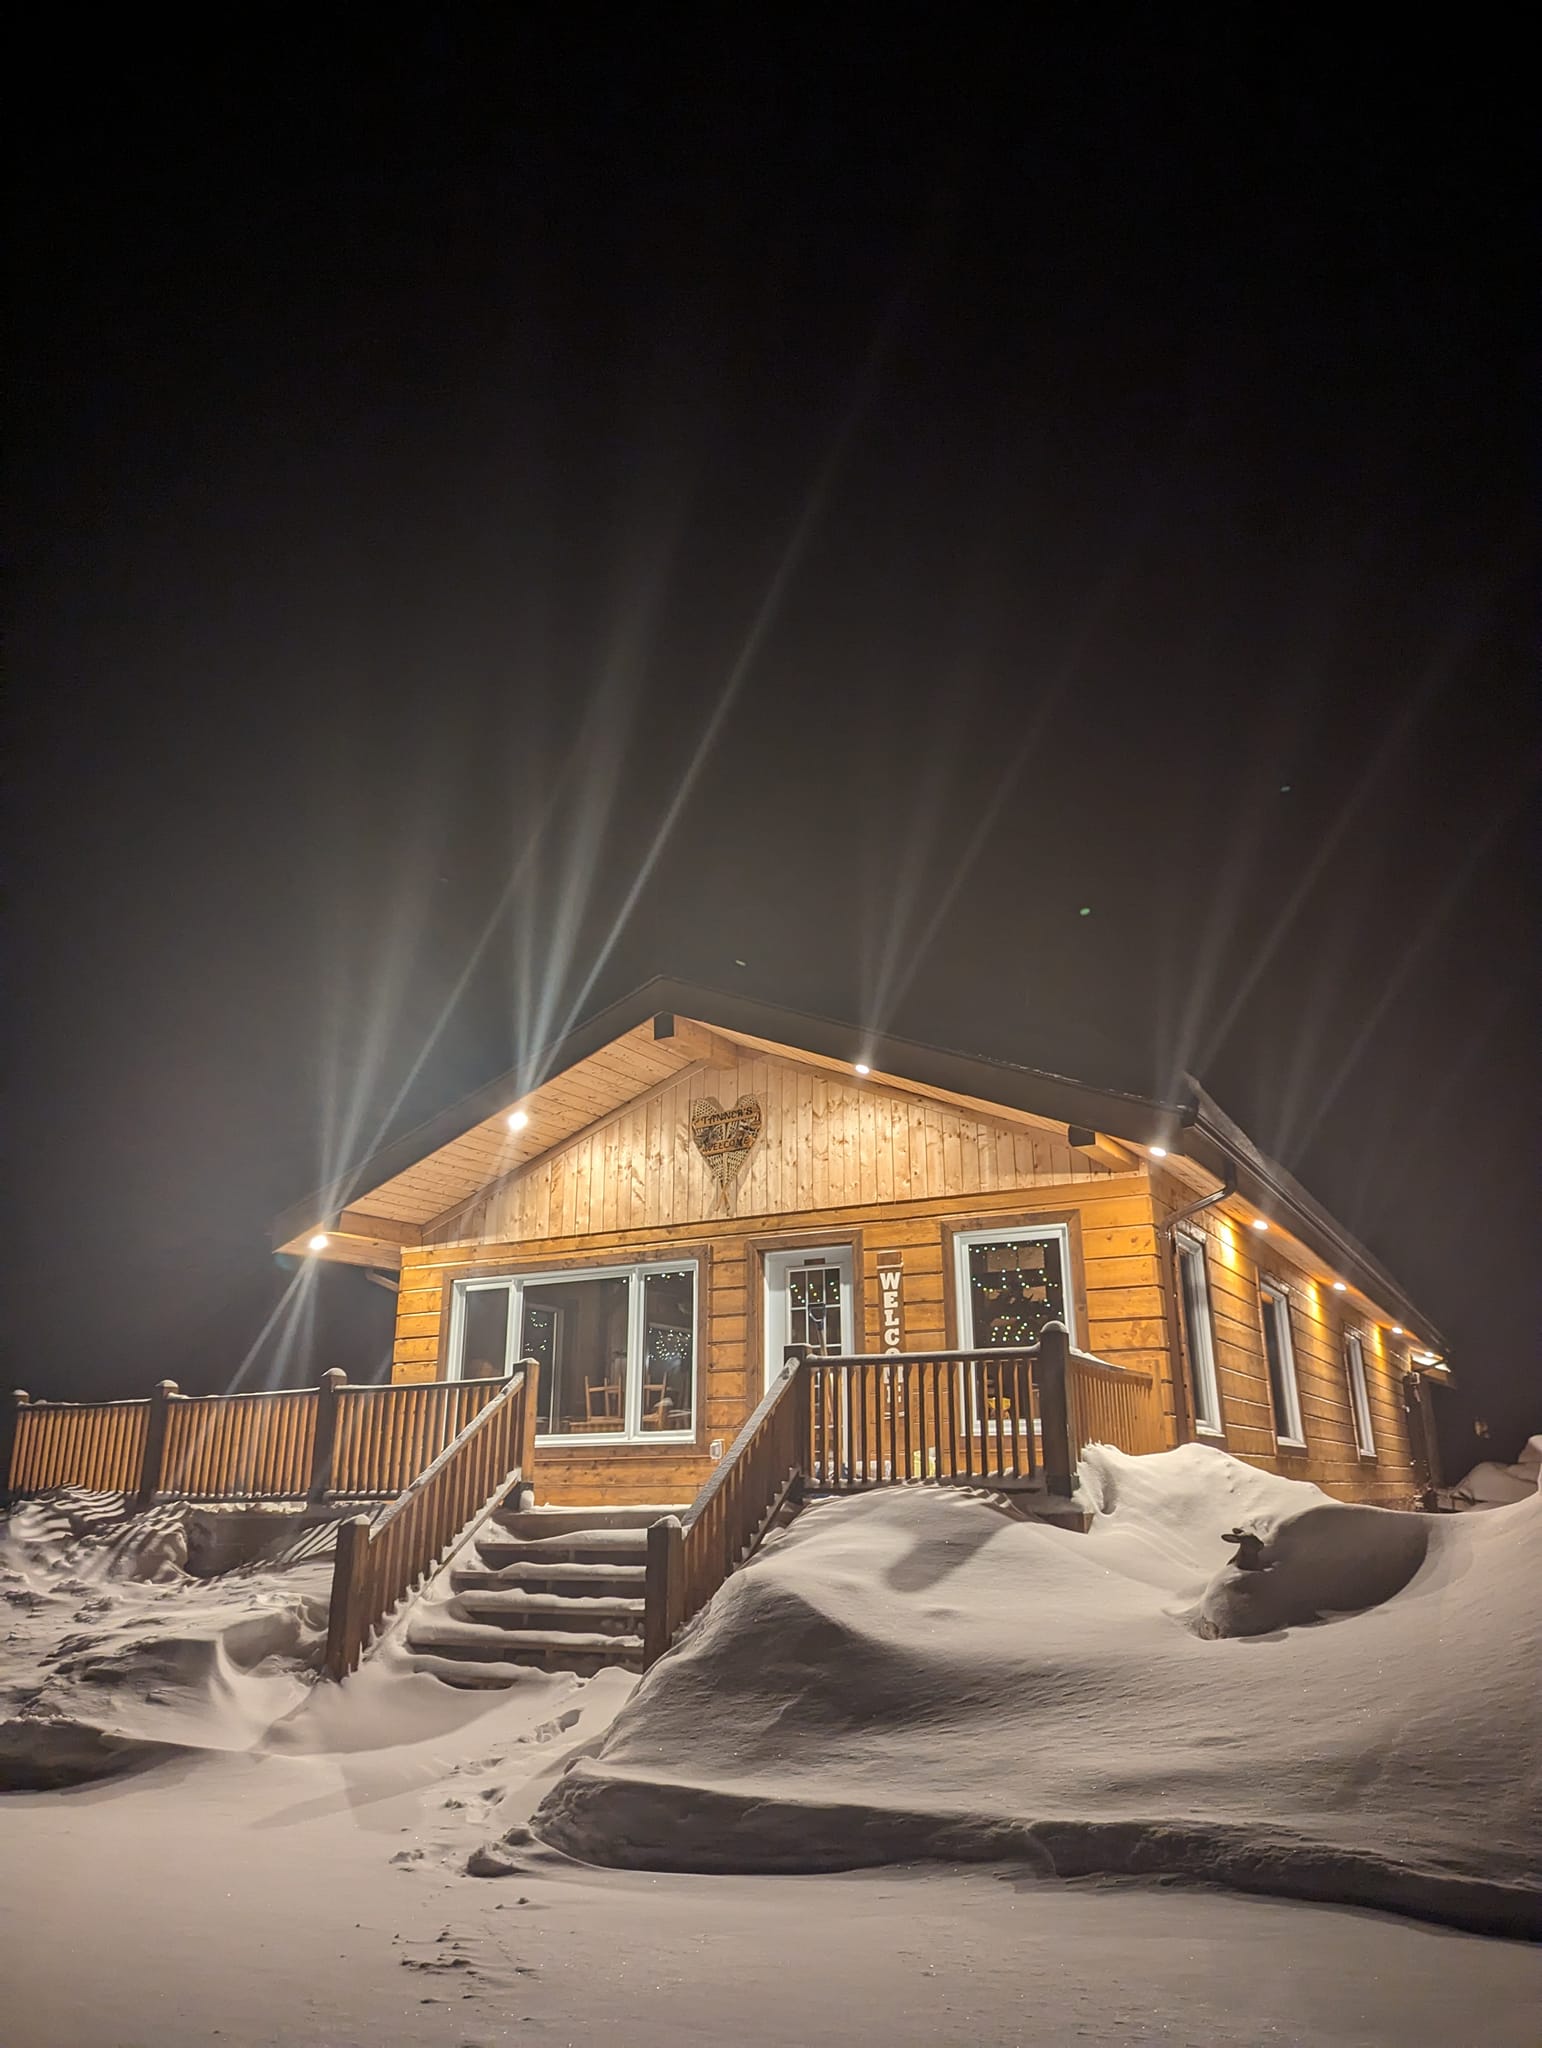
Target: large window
x=1198, y=1334
x=616, y=1346
x=1281, y=1356
x=1010, y=1284
x=1359, y=1398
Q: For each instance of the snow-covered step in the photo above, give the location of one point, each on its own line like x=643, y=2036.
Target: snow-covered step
x=511, y=1608
x=551, y=1649
x=593, y=1546
x=557, y=1572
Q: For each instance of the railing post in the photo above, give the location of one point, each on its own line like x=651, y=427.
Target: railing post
x=1053, y=1365
x=325, y=1441
x=155, y=1442
x=10, y=1429
x=664, y=1587
x=803, y=1412
x=530, y=1403
x=343, y=1630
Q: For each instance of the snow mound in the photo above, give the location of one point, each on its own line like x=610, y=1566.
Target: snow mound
x=915, y=1673
x=1494, y=1486
x=113, y=1658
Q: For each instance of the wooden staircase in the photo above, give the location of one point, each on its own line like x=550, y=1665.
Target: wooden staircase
x=554, y=1589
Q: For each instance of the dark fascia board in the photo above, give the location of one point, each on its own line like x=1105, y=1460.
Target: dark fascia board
x=1215, y=1142
x=1053, y=1096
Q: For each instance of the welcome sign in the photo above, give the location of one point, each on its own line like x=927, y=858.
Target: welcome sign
x=890, y=1312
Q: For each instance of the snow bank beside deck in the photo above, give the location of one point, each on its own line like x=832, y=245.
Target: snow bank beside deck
x=113, y=1658
x=918, y=1674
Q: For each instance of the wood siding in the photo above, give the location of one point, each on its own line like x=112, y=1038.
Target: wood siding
x=1236, y=1260
x=891, y=1173
x=885, y=1171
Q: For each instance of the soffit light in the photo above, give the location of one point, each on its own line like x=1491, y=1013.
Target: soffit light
x=861, y=1068
x=1340, y=1287
x=320, y=1241
x=1397, y=1329
x=518, y=1119
x=1260, y=1223
x=1157, y=1151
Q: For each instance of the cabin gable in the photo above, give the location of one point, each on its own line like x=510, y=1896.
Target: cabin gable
x=823, y=1141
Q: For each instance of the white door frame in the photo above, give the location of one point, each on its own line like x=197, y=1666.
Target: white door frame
x=777, y=1266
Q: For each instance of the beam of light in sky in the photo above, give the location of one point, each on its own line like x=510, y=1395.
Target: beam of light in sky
x=1440, y=673
x=766, y=613
x=303, y=1278
x=1455, y=888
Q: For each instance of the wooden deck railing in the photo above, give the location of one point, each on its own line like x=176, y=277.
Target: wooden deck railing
x=689, y=1556
x=55, y=1442
x=237, y=1446
x=1112, y=1404
x=940, y=1416
x=325, y=1443
x=380, y=1561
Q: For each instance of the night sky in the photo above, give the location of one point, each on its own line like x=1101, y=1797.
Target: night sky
x=498, y=515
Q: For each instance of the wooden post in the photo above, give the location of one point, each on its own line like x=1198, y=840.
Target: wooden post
x=10, y=1429
x=664, y=1587
x=1052, y=1365
x=155, y=1442
x=803, y=1411
x=530, y=1403
x=325, y=1441
x=344, y=1632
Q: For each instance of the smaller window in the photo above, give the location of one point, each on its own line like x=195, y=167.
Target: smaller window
x=1198, y=1337
x=1280, y=1353
x=1359, y=1398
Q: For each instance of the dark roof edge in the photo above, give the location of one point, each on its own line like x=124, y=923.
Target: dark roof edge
x=1215, y=1141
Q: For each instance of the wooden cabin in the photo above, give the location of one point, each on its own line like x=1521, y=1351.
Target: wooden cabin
x=658, y=1206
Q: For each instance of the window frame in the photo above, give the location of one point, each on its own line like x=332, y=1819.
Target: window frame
x=964, y=1242
x=1199, y=1346
x=1274, y=1300
x=631, y=1434
x=1359, y=1394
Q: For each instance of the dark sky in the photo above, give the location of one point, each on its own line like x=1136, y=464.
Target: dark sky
x=497, y=515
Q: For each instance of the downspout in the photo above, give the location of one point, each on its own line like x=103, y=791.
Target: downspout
x=1182, y=1392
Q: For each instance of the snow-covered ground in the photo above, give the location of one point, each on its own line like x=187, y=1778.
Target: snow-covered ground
x=297, y=1865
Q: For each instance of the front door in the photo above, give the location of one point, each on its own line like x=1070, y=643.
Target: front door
x=808, y=1301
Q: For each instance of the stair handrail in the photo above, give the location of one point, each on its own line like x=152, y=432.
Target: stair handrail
x=690, y=1555
x=384, y=1557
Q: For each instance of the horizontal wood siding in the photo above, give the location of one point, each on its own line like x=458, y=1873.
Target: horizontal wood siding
x=1236, y=1260
x=1118, y=1308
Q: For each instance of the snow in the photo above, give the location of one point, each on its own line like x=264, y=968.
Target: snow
x=1492, y=1486
x=916, y=1673
x=297, y=1864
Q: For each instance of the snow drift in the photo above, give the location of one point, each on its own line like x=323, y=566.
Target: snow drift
x=920, y=1674
x=112, y=1657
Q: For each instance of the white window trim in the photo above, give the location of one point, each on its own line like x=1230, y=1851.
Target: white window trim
x=632, y=1431
x=1274, y=1299
x=1359, y=1394
x=964, y=1242
x=1200, y=1345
